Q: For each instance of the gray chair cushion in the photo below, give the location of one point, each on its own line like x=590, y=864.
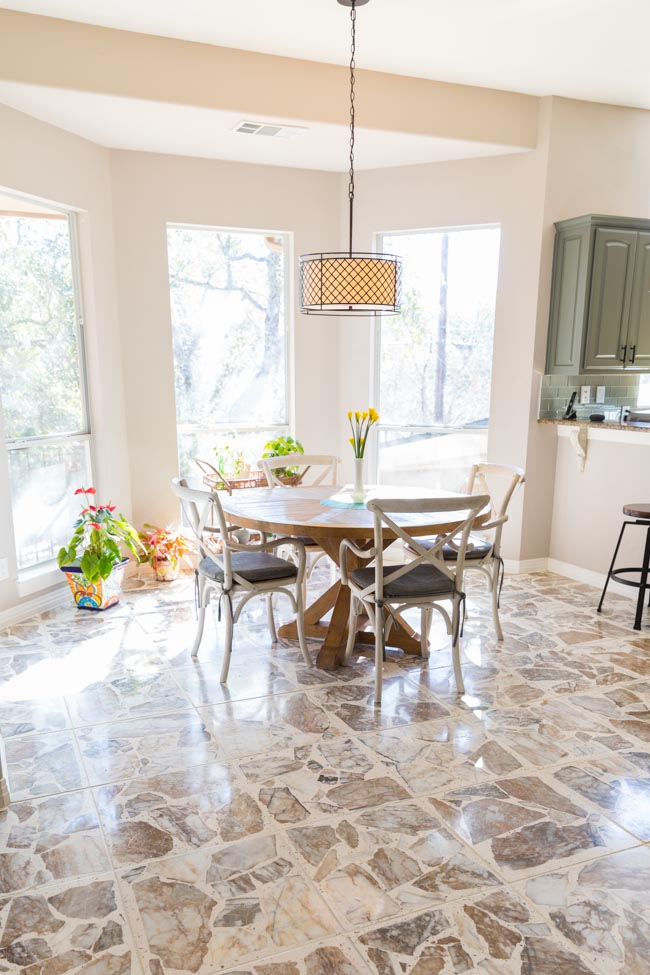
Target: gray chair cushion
x=306, y=540
x=480, y=549
x=423, y=580
x=252, y=566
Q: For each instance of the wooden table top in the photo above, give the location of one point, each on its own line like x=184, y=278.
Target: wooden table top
x=298, y=511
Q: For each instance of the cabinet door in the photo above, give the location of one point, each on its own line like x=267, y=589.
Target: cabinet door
x=610, y=298
x=638, y=336
x=568, y=300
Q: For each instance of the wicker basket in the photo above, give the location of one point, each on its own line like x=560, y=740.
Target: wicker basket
x=215, y=480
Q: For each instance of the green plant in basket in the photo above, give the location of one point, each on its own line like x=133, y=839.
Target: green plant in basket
x=231, y=460
x=280, y=447
x=99, y=533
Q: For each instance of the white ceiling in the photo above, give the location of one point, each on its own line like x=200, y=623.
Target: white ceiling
x=592, y=49
x=136, y=124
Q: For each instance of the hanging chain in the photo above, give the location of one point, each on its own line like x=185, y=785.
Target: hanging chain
x=353, y=19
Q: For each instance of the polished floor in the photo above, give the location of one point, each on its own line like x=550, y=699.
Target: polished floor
x=162, y=823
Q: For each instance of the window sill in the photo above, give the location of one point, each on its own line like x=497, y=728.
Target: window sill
x=37, y=579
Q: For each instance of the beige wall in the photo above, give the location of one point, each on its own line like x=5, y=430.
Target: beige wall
x=149, y=192
x=44, y=161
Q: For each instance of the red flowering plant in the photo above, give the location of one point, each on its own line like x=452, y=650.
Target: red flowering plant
x=97, y=538
x=163, y=545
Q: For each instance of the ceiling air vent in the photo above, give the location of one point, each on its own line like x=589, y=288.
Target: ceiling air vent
x=270, y=130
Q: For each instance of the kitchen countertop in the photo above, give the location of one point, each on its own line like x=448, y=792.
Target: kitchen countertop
x=604, y=425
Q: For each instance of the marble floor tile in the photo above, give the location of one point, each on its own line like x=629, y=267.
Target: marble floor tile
x=626, y=710
x=68, y=928
x=41, y=765
x=402, y=702
x=435, y=754
x=174, y=812
x=35, y=716
x=131, y=696
x=249, y=727
x=254, y=678
x=600, y=909
x=387, y=861
x=212, y=910
x=24, y=636
x=619, y=787
x=497, y=934
x=336, y=774
x=334, y=957
x=528, y=824
x=146, y=746
x=50, y=839
x=551, y=731
x=18, y=662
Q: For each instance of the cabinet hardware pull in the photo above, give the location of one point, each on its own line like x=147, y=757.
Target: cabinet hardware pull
x=624, y=349
x=632, y=353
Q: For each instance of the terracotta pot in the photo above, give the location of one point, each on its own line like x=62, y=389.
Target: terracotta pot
x=165, y=570
x=95, y=595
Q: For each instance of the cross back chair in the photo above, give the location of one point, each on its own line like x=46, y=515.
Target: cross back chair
x=324, y=470
x=242, y=570
x=384, y=592
x=483, y=554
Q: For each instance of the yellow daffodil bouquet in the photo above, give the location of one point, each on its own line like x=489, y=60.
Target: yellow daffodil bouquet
x=360, y=424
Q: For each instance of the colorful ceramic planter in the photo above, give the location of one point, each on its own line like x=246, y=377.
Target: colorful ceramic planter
x=95, y=595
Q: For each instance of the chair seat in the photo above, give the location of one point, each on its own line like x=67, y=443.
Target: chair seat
x=307, y=541
x=252, y=566
x=424, y=580
x=480, y=549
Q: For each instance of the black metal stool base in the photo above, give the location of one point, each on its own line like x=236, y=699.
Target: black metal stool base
x=642, y=585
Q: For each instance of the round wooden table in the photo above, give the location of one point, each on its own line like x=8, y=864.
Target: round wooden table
x=298, y=511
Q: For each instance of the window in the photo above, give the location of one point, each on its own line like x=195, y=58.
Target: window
x=434, y=360
x=230, y=337
x=42, y=378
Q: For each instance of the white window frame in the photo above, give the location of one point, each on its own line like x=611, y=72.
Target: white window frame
x=30, y=576
x=376, y=348
x=288, y=428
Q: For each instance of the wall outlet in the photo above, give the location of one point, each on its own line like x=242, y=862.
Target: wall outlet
x=585, y=394
x=4, y=569
x=600, y=394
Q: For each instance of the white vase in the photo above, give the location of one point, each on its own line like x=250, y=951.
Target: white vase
x=358, y=492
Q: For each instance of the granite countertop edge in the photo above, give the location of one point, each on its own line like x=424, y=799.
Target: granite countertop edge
x=608, y=425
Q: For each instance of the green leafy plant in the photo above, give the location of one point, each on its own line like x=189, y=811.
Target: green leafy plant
x=231, y=459
x=162, y=545
x=96, y=539
x=280, y=447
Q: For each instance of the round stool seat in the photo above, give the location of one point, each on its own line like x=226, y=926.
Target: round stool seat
x=637, y=510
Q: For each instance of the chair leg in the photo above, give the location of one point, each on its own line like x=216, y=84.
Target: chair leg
x=611, y=567
x=455, y=648
x=203, y=601
x=352, y=631
x=379, y=653
x=270, y=618
x=300, y=623
x=425, y=623
x=494, y=587
x=227, y=650
x=643, y=583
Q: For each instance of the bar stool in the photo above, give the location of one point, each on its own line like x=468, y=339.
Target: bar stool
x=641, y=515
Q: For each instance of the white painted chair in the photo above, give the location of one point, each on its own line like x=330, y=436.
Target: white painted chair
x=323, y=468
x=424, y=582
x=500, y=482
x=240, y=570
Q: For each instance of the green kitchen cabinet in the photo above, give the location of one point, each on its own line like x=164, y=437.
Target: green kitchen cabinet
x=600, y=296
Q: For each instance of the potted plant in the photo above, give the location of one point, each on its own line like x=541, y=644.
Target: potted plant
x=93, y=562
x=231, y=461
x=164, y=549
x=280, y=447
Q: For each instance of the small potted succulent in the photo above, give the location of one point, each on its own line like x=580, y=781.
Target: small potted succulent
x=280, y=447
x=164, y=550
x=93, y=561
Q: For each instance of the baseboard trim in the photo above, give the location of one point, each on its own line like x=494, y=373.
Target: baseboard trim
x=515, y=567
x=33, y=607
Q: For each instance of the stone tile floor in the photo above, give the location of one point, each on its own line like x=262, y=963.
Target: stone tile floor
x=282, y=825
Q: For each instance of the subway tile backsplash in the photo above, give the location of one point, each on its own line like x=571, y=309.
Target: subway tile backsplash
x=621, y=392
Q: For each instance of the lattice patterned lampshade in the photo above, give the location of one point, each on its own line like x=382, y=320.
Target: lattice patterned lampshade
x=349, y=284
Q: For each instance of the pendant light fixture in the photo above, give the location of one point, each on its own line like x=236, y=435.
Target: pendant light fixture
x=350, y=282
